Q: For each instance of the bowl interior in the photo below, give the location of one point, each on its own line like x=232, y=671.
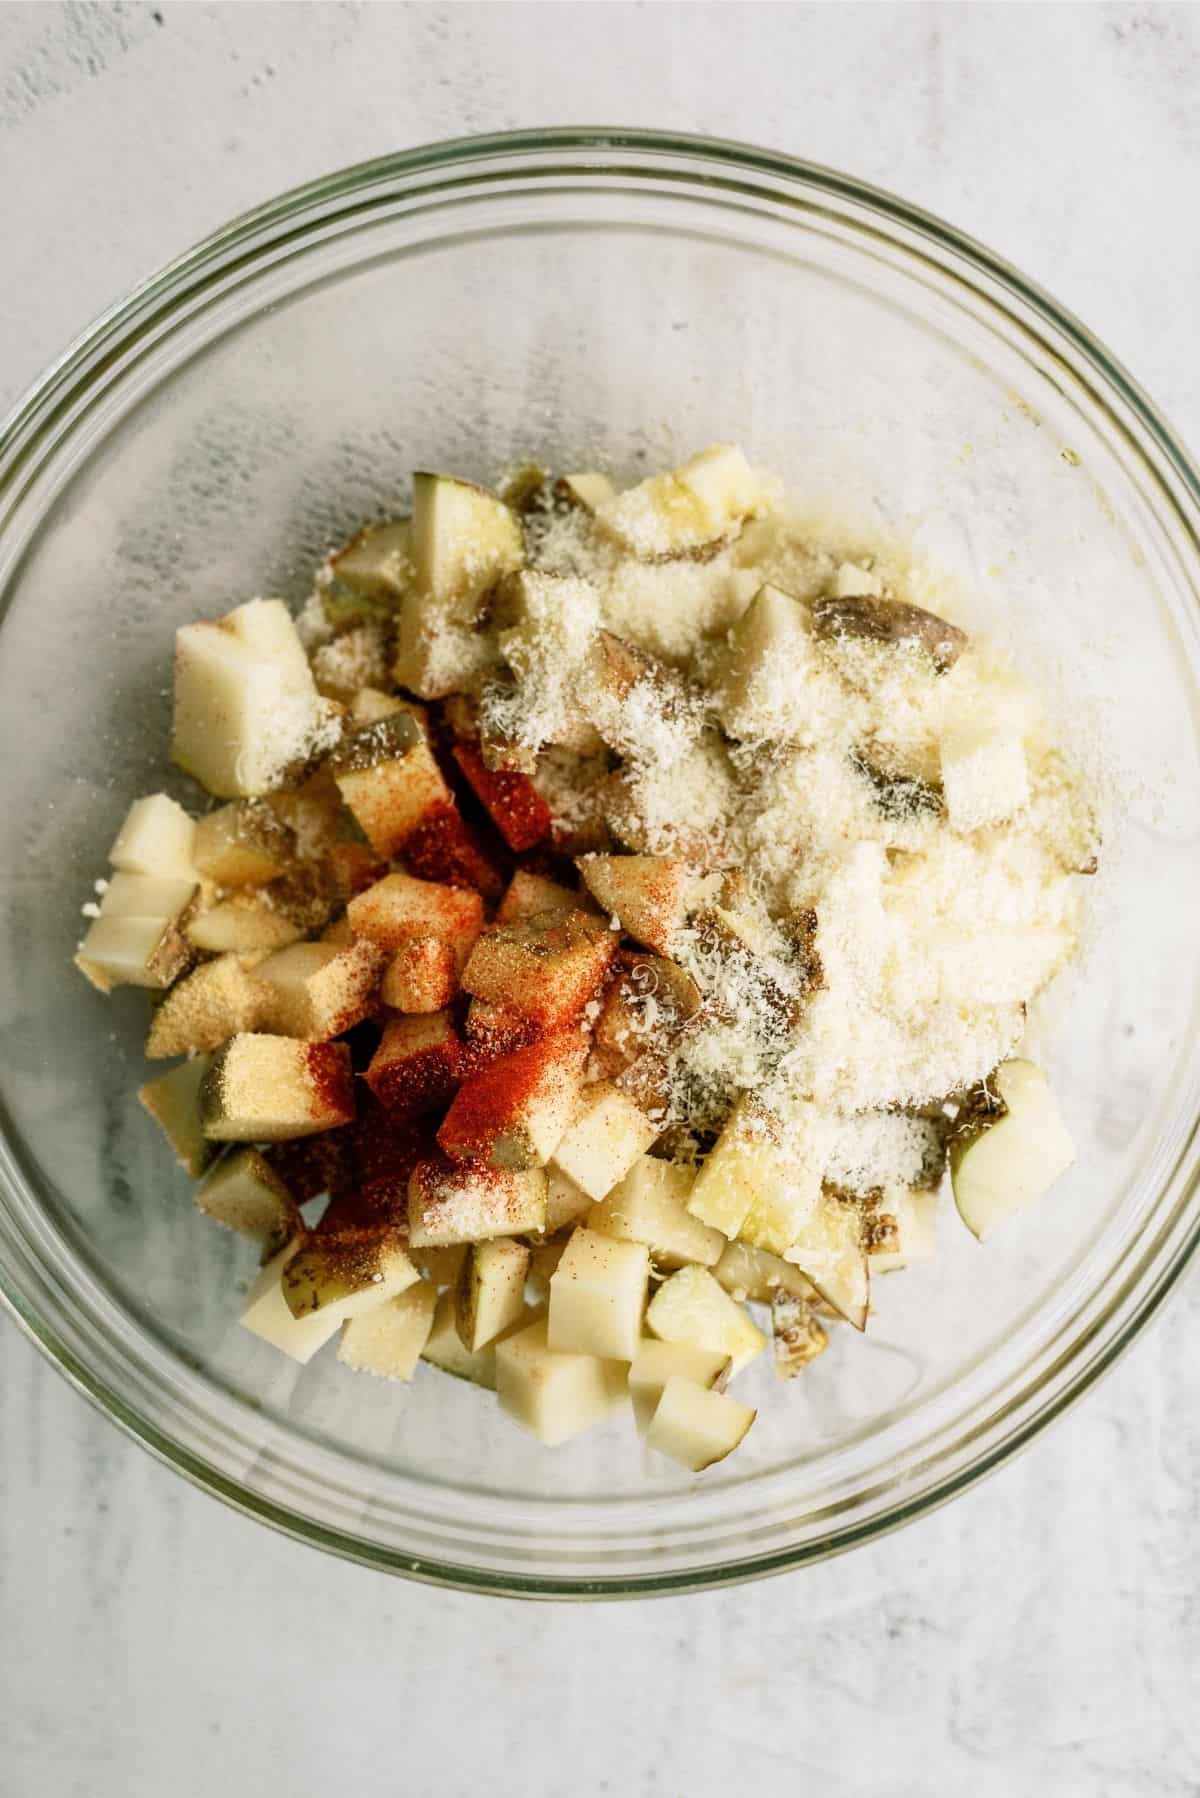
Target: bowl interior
x=580, y=316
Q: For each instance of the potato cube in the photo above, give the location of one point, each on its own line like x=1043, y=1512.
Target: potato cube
x=243, y=844
x=389, y=1339
x=657, y=1362
x=547, y=966
x=514, y=1112
x=689, y=511
x=509, y=797
x=246, y=706
x=490, y=1295
x=566, y=1203
x=691, y=1307
x=554, y=1396
x=173, y=1101
x=797, y=1335
x=648, y=894
x=916, y=1221
x=387, y=776
x=456, y=1201
x=400, y=909
x=243, y=925
x=831, y=1251
x=985, y=777
x=695, y=1425
x=745, y=1162
x=441, y=1266
x=319, y=990
x=270, y=1088
x=218, y=1000
x=157, y=837
x=748, y=1273
x=416, y=1065
x=128, y=951
x=350, y=1271
x=267, y=1313
x=598, y=1297
x=494, y=1030
x=650, y=1206
x=444, y=1348
x=444, y=847
x=606, y=1137
x=244, y=1193
x=421, y=976
x=528, y=894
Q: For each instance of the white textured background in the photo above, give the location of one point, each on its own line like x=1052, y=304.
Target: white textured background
x=1040, y=1636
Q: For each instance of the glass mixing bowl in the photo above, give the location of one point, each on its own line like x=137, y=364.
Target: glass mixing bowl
x=627, y=296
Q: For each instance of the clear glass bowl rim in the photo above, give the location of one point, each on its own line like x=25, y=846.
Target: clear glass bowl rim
x=40, y=423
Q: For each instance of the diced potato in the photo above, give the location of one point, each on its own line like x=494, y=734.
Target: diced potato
x=566, y=1203
x=650, y=1206
x=246, y=706
x=528, y=894
x=416, y=1066
x=244, y=1193
x=797, y=1335
x=490, y=1295
x=748, y=1273
x=441, y=1266
x=319, y=990
x=852, y=581
x=831, y=1252
x=744, y=1163
x=543, y=1265
x=422, y=976
x=1008, y=1148
x=916, y=1223
x=776, y=685
x=444, y=1348
x=351, y=1272
x=696, y=1426
x=783, y=1205
x=509, y=797
x=985, y=777
x=387, y=776
x=547, y=966
x=369, y=706
x=454, y=1201
x=376, y=564
x=876, y=620
x=400, y=909
x=157, y=837
x=554, y=1396
x=444, y=847
x=390, y=1339
x=608, y=1134
x=598, y=1297
x=241, y=926
x=464, y=540
x=649, y=894
x=587, y=490
x=270, y=1088
x=173, y=1101
x=148, y=896
x=243, y=844
x=690, y=511
x=267, y=1313
x=514, y=1112
x=494, y=1030
x=657, y=1362
x=690, y=1307
x=127, y=951
x=218, y=1000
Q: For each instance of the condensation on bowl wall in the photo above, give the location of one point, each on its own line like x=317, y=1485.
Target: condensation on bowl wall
x=624, y=298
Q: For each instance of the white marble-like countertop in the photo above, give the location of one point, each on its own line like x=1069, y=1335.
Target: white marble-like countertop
x=1041, y=1635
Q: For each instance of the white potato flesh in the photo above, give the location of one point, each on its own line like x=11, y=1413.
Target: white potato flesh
x=555, y=1396
x=598, y=1297
x=696, y=1426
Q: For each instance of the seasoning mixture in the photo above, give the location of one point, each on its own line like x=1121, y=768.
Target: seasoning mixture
x=619, y=912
